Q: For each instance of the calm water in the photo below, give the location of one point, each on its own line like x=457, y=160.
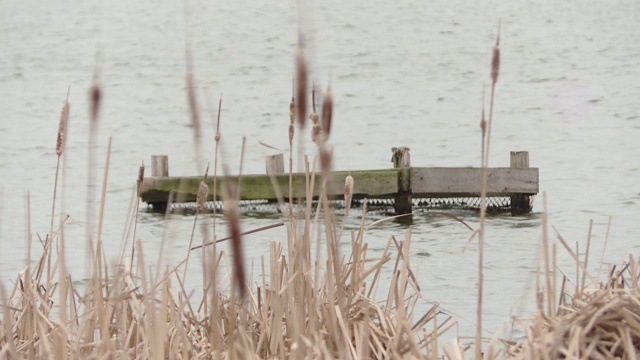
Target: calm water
x=402, y=74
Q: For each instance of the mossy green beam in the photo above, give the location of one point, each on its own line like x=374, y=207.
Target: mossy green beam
x=368, y=183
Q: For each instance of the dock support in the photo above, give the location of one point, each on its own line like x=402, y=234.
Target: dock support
x=159, y=168
x=520, y=203
x=275, y=164
x=402, y=200
x=159, y=165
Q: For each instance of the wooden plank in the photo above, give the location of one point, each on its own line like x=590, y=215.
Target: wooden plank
x=463, y=182
x=520, y=203
x=275, y=164
x=160, y=165
x=367, y=183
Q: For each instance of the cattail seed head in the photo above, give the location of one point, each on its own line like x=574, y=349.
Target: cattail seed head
x=327, y=112
x=348, y=192
x=203, y=192
x=233, y=218
x=325, y=158
x=301, y=85
x=315, y=133
x=95, y=97
x=483, y=123
x=292, y=111
x=140, y=178
x=291, y=133
x=495, y=63
x=62, y=129
x=314, y=118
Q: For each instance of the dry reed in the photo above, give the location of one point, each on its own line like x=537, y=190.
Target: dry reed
x=599, y=322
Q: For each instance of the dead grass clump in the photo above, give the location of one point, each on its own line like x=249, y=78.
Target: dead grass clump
x=602, y=323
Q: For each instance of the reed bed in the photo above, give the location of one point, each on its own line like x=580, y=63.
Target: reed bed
x=118, y=315
x=588, y=318
x=600, y=323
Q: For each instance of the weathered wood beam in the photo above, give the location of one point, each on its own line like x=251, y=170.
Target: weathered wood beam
x=441, y=182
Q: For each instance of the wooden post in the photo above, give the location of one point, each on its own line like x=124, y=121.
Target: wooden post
x=520, y=203
x=275, y=164
x=159, y=168
x=401, y=160
x=159, y=165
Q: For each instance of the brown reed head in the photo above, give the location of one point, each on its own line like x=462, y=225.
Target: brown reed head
x=483, y=123
x=292, y=119
x=326, y=156
x=292, y=111
x=291, y=133
x=315, y=133
x=315, y=127
x=327, y=112
x=217, y=136
x=62, y=128
x=232, y=213
x=301, y=85
x=95, y=97
x=495, y=61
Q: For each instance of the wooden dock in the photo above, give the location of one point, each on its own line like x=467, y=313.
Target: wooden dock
x=402, y=183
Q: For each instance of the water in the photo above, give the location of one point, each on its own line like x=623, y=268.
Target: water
x=409, y=74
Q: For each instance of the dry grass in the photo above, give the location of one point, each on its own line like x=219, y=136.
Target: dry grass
x=122, y=316
x=601, y=323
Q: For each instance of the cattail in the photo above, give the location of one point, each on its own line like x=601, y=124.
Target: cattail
x=327, y=112
x=291, y=133
x=315, y=128
x=233, y=218
x=292, y=119
x=483, y=123
x=301, y=85
x=495, y=61
x=62, y=128
x=314, y=118
x=325, y=158
x=95, y=97
x=203, y=192
x=315, y=133
x=217, y=136
x=140, y=178
x=348, y=192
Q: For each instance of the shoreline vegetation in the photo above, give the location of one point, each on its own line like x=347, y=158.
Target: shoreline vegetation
x=318, y=301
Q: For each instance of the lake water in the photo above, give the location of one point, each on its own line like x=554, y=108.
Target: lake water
x=407, y=73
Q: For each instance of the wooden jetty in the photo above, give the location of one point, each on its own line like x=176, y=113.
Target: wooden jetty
x=402, y=183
